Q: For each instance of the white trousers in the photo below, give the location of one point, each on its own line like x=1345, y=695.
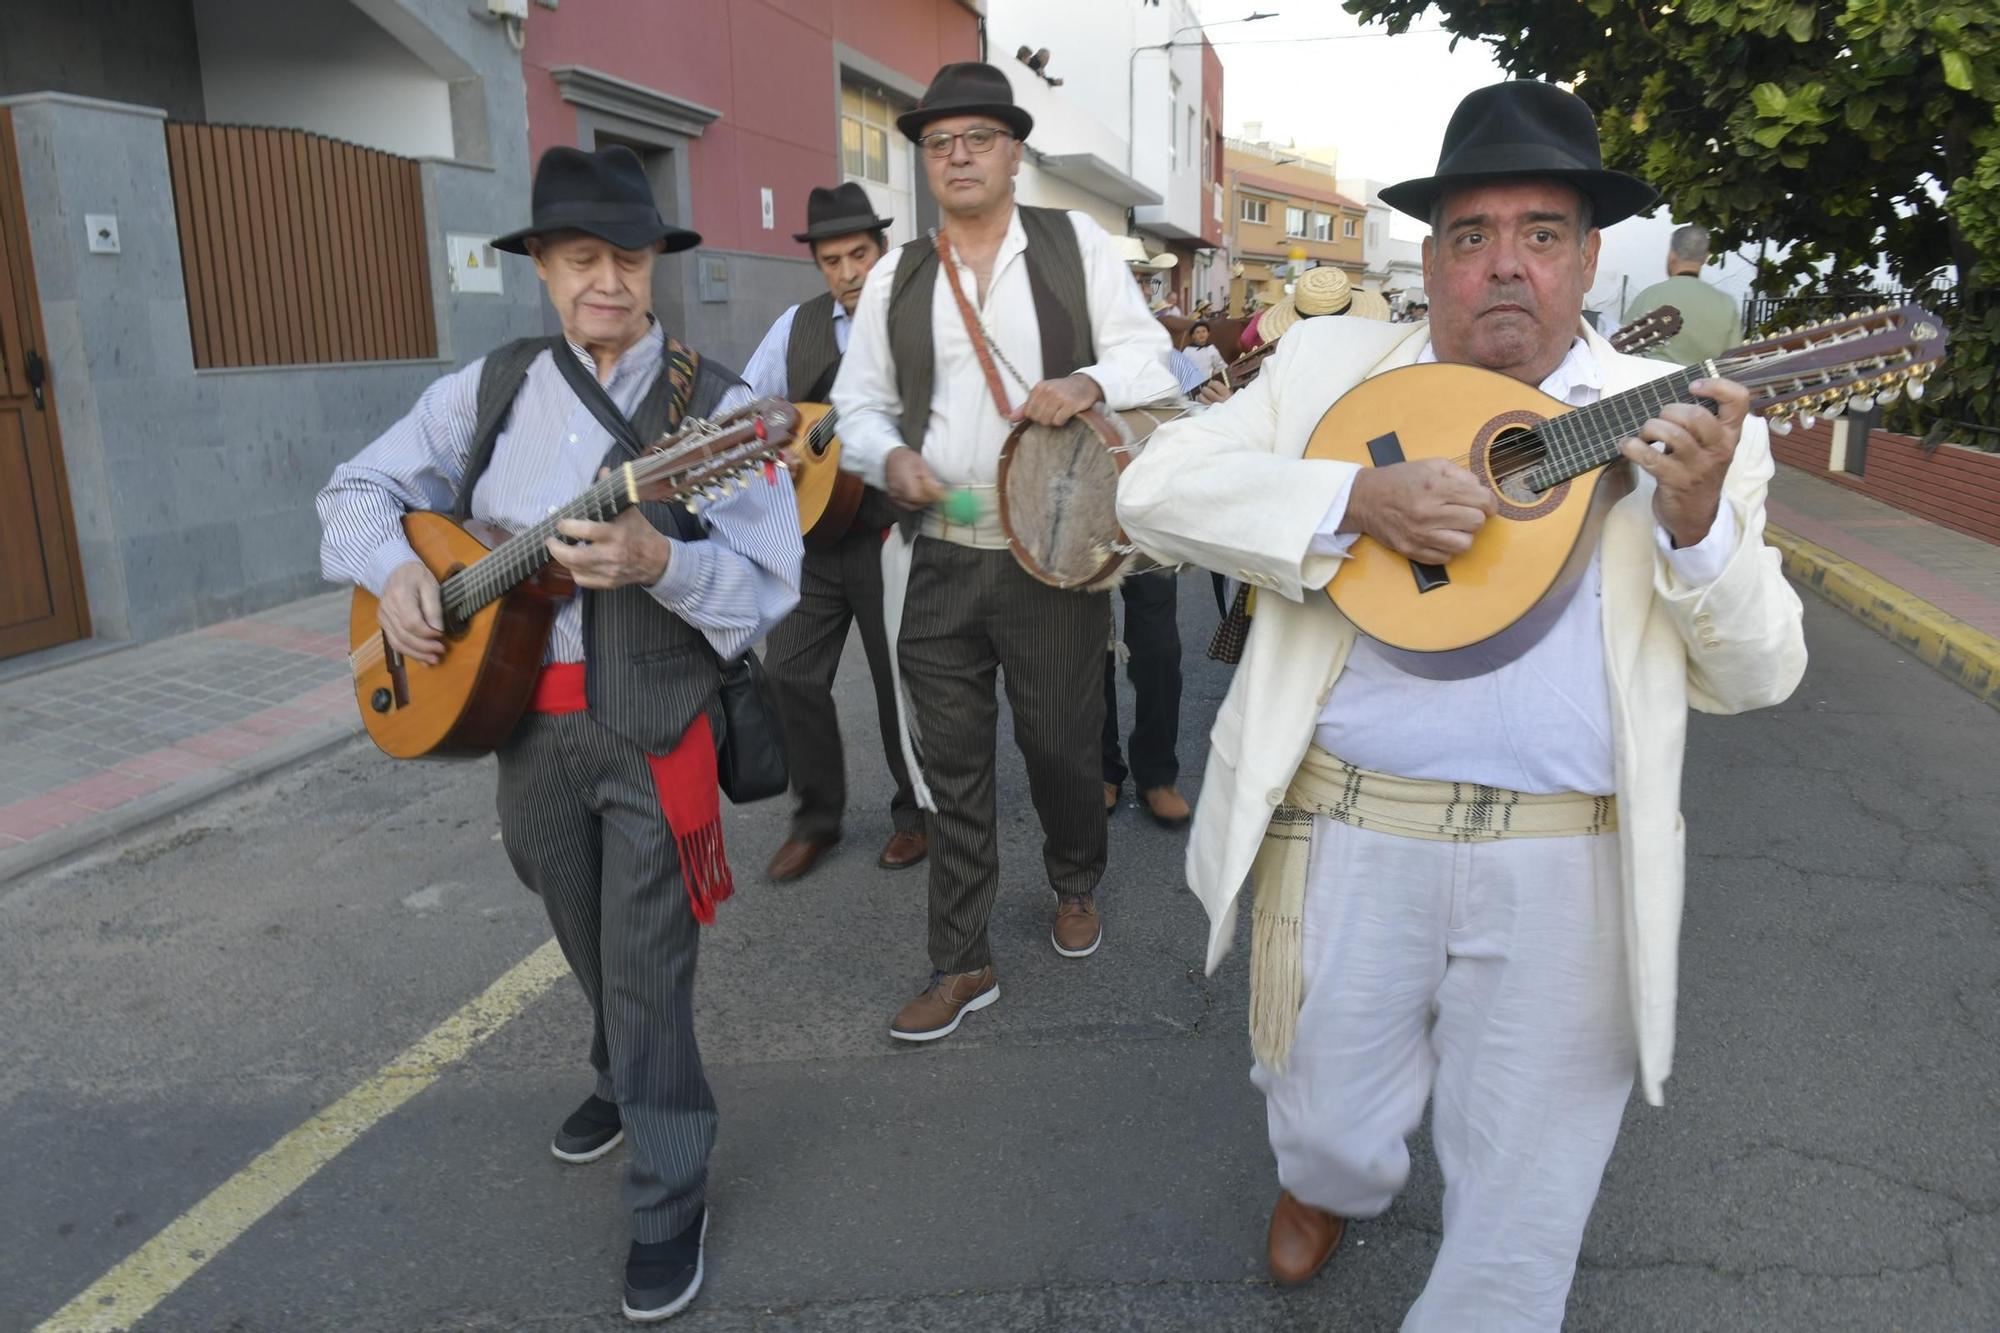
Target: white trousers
x=1490, y=976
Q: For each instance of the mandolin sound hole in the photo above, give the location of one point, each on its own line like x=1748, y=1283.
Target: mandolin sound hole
x=1507, y=454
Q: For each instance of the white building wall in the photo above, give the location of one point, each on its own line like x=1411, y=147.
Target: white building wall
x=1086, y=42
x=324, y=67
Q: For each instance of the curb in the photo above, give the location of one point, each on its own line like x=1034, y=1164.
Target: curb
x=155, y=806
x=1965, y=654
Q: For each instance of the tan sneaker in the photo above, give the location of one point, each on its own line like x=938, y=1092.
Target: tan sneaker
x=1167, y=806
x=1077, y=931
x=949, y=997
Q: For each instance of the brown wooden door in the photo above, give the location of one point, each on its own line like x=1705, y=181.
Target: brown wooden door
x=41, y=581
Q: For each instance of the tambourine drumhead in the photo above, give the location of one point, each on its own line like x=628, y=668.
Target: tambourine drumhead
x=1058, y=493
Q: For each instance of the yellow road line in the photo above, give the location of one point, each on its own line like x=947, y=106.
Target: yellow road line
x=129, y=1292
x=1964, y=653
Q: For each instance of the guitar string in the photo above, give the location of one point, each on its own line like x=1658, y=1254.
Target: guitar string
x=464, y=593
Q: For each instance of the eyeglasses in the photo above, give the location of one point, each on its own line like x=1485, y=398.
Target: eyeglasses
x=980, y=140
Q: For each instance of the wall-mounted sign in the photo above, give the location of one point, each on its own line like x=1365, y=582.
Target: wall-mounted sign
x=475, y=264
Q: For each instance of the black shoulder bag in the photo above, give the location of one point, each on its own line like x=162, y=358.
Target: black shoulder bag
x=750, y=752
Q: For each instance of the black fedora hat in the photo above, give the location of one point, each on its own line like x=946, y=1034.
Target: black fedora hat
x=841, y=211
x=603, y=194
x=967, y=88
x=1525, y=128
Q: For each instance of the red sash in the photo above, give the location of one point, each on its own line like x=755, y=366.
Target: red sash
x=684, y=778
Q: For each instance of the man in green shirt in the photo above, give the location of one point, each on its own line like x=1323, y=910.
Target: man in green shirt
x=1711, y=322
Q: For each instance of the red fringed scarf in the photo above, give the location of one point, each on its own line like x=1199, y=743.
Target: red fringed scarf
x=684, y=777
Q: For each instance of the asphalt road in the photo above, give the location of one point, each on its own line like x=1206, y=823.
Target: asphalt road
x=1087, y=1154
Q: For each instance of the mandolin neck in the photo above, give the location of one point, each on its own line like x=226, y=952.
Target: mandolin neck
x=1587, y=438
x=521, y=557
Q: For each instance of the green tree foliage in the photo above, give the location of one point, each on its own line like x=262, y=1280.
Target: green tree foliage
x=1829, y=133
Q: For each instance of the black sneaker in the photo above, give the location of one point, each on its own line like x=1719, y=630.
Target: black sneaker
x=662, y=1277
x=591, y=1131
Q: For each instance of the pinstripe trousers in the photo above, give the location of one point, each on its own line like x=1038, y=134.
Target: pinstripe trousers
x=581, y=821
x=968, y=614
x=838, y=585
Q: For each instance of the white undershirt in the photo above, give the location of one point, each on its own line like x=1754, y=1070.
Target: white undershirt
x=1541, y=723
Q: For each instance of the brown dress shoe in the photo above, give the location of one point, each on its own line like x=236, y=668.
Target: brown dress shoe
x=1110, y=798
x=903, y=851
x=1167, y=806
x=1303, y=1238
x=1077, y=931
x=949, y=997
x=796, y=857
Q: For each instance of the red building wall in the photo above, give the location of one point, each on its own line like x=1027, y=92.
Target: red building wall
x=766, y=65
x=1211, y=110
x=1958, y=488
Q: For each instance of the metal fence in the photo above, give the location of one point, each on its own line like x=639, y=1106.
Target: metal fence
x=1761, y=313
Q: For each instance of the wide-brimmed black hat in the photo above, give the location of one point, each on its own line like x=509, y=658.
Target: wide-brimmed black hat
x=967, y=88
x=841, y=211
x=1525, y=128
x=603, y=194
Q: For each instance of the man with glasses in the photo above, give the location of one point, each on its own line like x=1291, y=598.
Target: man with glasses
x=1010, y=313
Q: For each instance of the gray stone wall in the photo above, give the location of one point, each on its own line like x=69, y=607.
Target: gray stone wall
x=136, y=51
x=760, y=288
x=193, y=490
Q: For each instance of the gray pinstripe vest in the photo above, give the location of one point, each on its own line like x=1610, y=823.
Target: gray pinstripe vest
x=812, y=354
x=647, y=672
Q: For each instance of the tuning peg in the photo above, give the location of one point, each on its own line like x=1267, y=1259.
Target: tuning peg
x=1916, y=387
x=1861, y=402
x=693, y=502
x=1808, y=421
x=1833, y=408
x=1889, y=394
x=1780, y=426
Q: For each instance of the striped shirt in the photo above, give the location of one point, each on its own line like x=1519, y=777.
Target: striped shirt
x=733, y=587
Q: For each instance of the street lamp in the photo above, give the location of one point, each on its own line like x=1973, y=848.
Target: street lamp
x=1131, y=68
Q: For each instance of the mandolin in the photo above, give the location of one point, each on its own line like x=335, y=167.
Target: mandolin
x=1556, y=472
x=501, y=591
x=1649, y=330
x=829, y=499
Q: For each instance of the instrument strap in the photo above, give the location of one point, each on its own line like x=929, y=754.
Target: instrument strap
x=981, y=344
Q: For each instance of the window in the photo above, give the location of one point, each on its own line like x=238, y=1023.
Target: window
x=876, y=156
x=1295, y=222
x=1349, y=228
x=1374, y=235
x=1322, y=227
x=1254, y=210
x=1173, y=121
x=1207, y=149
x=1190, y=141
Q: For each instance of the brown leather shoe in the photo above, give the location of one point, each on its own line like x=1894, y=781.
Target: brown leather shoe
x=1077, y=931
x=796, y=857
x=903, y=851
x=1303, y=1238
x=1167, y=806
x=949, y=997
x=1110, y=798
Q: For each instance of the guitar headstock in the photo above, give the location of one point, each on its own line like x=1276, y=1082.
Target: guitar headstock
x=1820, y=370
x=1649, y=330
x=705, y=460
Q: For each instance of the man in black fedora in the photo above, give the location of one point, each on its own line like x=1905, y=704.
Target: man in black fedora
x=841, y=582
x=1467, y=891
x=607, y=789
x=1009, y=314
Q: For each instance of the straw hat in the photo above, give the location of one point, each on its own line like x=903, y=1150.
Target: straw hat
x=1369, y=305
x=1132, y=252
x=1319, y=291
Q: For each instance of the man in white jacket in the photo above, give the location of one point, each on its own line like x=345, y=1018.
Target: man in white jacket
x=1518, y=980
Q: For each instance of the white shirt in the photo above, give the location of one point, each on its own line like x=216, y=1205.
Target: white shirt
x=1207, y=359
x=1541, y=723
x=769, y=373
x=963, y=440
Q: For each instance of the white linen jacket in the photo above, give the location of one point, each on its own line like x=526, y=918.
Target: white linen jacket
x=1228, y=489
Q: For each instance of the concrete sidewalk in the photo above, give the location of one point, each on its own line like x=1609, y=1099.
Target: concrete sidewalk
x=94, y=748
x=1934, y=591
x=100, y=746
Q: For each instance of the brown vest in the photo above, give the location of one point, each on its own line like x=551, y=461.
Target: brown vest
x=1062, y=313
